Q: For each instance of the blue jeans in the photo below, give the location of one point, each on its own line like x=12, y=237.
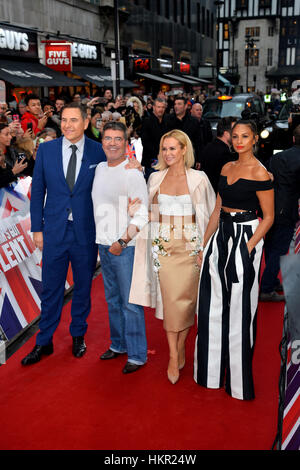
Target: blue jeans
x=126, y=320
x=277, y=242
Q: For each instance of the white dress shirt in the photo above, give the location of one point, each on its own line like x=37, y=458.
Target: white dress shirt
x=66, y=155
x=67, y=152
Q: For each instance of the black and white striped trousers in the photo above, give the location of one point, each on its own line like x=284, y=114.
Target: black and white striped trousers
x=228, y=299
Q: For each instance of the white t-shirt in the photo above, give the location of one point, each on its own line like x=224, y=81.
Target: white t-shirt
x=112, y=187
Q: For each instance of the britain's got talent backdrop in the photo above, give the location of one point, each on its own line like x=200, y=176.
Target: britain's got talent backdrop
x=20, y=262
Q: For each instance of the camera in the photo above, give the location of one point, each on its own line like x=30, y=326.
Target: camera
x=20, y=157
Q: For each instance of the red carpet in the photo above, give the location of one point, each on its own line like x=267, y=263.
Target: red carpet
x=68, y=403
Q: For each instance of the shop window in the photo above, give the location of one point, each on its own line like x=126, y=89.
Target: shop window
x=158, y=7
x=175, y=11
x=253, y=55
x=252, y=32
x=241, y=4
x=198, y=18
x=207, y=24
x=182, y=12
x=167, y=9
x=270, y=57
x=225, y=31
x=188, y=12
x=265, y=3
x=290, y=56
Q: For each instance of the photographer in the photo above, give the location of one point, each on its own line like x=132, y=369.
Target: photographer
x=51, y=121
x=20, y=152
x=7, y=174
x=33, y=118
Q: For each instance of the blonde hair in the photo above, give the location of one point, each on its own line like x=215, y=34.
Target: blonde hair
x=184, y=141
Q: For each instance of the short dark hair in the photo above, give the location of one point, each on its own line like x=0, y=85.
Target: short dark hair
x=74, y=105
x=182, y=98
x=61, y=98
x=224, y=125
x=31, y=96
x=115, y=126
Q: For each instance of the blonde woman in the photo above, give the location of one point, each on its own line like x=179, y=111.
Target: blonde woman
x=166, y=275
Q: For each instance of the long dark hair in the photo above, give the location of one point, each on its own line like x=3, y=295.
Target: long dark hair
x=3, y=124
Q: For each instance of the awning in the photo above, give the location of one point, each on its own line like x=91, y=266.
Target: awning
x=159, y=79
x=200, y=80
x=284, y=71
x=30, y=74
x=181, y=79
x=223, y=79
x=100, y=77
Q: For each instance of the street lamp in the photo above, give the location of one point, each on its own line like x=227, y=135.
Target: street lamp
x=117, y=46
x=218, y=4
x=250, y=44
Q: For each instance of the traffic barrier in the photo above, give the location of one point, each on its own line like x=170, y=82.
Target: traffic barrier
x=20, y=263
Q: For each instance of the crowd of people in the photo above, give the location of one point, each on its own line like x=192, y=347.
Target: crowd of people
x=36, y=120
x=185, y=242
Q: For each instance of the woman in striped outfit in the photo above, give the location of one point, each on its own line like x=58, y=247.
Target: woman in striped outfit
x=230, y=264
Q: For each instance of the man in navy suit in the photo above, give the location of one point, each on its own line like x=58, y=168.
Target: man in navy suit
x=63, y=227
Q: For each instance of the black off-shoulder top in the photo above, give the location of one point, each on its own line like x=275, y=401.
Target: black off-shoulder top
x=242, y=193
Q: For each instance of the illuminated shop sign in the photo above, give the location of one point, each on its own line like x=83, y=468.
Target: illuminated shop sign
x=58, y=56
x=84, y=51
x=141, y=65
x=184, y=67
x=14, y=42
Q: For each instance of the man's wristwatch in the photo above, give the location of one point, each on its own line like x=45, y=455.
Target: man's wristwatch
x=122, y=243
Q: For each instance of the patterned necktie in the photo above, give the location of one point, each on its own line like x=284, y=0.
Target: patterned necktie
x=297, y=240
x=71, y=171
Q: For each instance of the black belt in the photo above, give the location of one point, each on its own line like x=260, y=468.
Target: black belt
x=238, y=216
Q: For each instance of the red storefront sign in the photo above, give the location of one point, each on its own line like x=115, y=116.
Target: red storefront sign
x=142, y=65
x=184, y=67
x=58, y=56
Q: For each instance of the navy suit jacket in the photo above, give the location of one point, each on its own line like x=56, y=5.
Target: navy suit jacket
x=51, y=217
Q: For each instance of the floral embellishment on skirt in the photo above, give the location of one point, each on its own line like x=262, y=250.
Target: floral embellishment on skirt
x=189, y=232
x=157, y=249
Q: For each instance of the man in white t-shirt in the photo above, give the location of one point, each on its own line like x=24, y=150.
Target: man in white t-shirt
x=113, y=187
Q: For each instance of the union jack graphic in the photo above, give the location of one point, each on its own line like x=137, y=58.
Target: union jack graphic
x=20, y=262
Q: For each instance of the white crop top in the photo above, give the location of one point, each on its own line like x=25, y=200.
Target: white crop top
x=175, y=205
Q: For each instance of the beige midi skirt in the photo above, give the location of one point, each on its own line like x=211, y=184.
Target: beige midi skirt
x=175, y=251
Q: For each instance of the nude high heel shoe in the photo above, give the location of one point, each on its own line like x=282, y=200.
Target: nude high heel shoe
x=173, y=376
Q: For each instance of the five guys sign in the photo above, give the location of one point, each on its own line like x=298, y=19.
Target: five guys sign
x=58, y=56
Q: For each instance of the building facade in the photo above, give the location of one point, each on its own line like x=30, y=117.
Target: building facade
x=258, y=43
x=165, y=37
